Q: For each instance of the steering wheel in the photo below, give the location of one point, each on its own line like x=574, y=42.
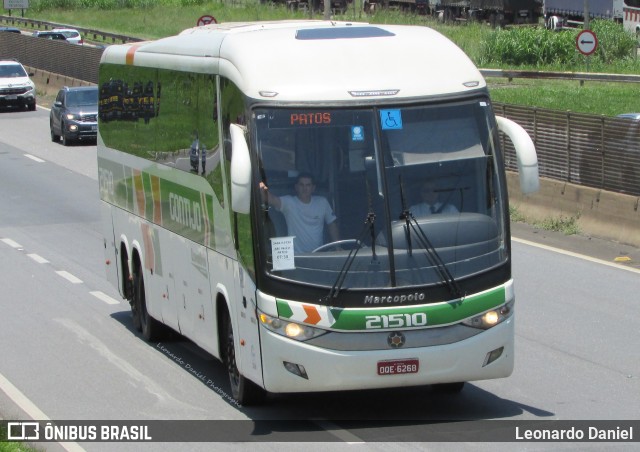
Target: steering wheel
x=349, y=243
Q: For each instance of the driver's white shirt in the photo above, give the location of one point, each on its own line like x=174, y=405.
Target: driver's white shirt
x=306, y=221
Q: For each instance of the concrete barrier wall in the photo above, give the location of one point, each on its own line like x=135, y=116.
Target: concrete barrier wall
x=49, y=83
x=600, y=213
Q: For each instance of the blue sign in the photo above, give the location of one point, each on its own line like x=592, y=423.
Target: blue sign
x=390, y=119
x=357, y=133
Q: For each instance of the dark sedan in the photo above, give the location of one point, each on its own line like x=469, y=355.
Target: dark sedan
x=10, y=29
x=74, y=114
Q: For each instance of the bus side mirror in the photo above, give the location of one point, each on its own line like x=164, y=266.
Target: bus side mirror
x=525, y=154
x=240, y=171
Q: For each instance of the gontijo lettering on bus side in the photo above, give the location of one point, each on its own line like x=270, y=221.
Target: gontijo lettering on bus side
x=176, y=207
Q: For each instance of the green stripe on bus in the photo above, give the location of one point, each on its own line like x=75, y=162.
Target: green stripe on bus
x=444, y=313
x=436, y=314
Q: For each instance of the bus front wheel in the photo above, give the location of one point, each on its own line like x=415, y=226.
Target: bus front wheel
x=243, y=390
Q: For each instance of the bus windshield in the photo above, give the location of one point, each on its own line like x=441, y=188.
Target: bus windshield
x=379, y=197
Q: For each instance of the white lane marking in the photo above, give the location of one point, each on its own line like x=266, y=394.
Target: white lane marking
x=38, y=259
x=134, y=375
x=34, y=158
x=31, y=409
x=69, y=277
x=104, y=297
x=577, y=255
x=12, y=244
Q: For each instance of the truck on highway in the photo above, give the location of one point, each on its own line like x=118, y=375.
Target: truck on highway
x=561, y=14
x=337, y=6
x=496, y=12
x=631, y=19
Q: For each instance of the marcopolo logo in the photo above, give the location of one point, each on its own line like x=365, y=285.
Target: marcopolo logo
x=394, y=299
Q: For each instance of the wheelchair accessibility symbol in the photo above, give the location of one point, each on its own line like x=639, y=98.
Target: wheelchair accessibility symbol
x=390, y=119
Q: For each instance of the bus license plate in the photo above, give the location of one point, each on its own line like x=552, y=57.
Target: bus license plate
x=398, y=366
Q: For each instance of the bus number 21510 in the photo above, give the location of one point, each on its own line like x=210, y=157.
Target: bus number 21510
x=396, y=320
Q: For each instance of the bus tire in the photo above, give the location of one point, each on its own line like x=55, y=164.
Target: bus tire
x=150, y=327
x=243, y=390
x=135, y=312
x=449, y=388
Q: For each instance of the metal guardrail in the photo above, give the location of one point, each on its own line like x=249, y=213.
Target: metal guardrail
x=579, y=76
x=87, y=33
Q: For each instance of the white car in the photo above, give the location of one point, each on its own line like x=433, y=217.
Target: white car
x=73, y=36
x=16, y=88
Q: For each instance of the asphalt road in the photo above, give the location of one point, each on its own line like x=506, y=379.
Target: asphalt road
x=69, y=351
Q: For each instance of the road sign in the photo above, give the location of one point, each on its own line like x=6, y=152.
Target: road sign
x=206, y=20
x=586, y=42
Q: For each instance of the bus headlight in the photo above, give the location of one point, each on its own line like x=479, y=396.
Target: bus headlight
x=491, y=318
x=292, y=330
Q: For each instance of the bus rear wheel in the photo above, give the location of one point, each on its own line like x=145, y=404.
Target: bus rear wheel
x=243, y=390
x=150, y=327
x=135, y=312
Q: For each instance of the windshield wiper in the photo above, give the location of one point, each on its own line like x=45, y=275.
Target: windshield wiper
x=406, y=216
x=434, y=258
x=369, y=226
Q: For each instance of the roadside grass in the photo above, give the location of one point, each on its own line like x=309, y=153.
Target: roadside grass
x=515, y=215
x=16, y=447
x=564, y=224
x=598, y=98
x=164, y=18
x=6, y=446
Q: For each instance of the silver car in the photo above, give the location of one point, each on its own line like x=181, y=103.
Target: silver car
x=73, y=36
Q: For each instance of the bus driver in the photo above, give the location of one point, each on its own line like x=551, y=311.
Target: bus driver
x=305, y=214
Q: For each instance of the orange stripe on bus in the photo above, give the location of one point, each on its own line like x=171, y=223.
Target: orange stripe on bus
x=155, y=192
x=313, y=316
x=131, y=52
x=139, y=188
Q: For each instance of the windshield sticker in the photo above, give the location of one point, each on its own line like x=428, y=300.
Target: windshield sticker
x=282, y=252
x=391, y=119
x=357, y=133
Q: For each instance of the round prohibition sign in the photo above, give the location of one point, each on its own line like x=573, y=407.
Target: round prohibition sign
x=586, y=42
x=206, y=20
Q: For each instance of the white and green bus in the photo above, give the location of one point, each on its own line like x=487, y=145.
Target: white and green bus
x=192, y=128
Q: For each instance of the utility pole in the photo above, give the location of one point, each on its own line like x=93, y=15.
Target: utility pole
x=586, y=15
x=327, y=9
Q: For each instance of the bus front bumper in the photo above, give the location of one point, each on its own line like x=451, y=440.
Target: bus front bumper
x=291, y=366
